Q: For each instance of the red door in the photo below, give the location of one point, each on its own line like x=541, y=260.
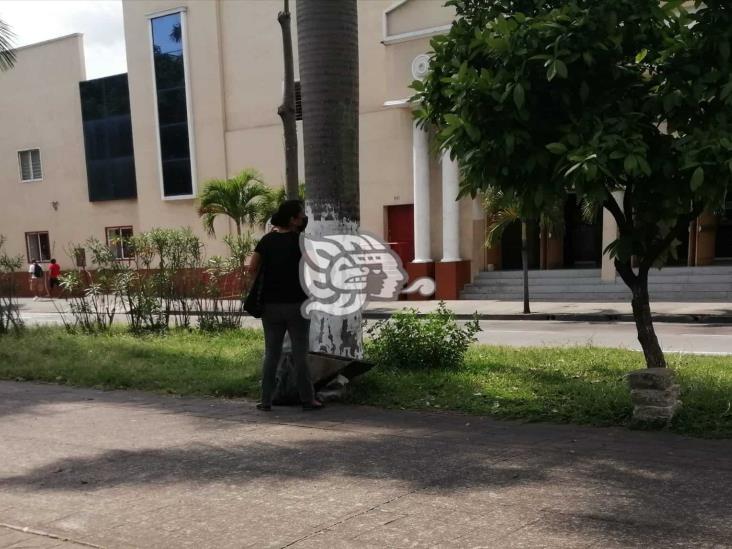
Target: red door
x=400, y=231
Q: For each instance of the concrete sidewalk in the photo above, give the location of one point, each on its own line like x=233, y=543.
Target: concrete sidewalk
x=127, y=469
x=510, y=310
x=546, y=310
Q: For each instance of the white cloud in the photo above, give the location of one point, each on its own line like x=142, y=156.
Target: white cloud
x=99, y=20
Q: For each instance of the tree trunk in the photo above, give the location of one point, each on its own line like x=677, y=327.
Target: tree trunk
x=525, y=264
x=644, y=323
x=328, y=53
x=287, y=110
x=640, y=302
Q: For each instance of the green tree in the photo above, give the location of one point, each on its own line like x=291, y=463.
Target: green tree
x=244, y=198
x=7, y=53
x=604, y=98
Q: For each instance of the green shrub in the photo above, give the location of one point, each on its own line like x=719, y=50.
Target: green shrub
x=10, y=320
x=420, y=342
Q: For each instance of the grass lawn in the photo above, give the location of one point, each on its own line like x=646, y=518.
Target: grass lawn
x=577, y=385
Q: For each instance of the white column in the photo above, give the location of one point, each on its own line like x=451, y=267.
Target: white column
x=421, y=181
x=450, y=210
x=609, y=234
x=477, y=208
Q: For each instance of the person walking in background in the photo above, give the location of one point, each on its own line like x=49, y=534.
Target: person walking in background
x=54, y=270
x=277, y=256
x=36, y=279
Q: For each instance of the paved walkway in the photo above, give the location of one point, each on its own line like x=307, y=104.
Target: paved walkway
x=508, y=310
x=126, y=469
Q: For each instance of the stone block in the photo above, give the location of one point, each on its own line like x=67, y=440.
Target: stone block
x=653, y=417
x=651, y=378
x=654, y=397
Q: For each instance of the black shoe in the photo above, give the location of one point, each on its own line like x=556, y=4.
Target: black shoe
x=264, y=407
x=310, y=406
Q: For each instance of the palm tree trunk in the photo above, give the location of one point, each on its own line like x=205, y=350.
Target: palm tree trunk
x=287, y=109
x=525, y=263
x=328, y=55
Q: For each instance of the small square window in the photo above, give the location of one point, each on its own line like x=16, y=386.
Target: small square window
x=38, y=246
x=118, y=239
x=30, y=165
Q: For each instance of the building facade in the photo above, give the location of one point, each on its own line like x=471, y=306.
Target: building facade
x=124, y=154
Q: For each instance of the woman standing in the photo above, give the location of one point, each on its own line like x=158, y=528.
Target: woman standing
x=277, y=255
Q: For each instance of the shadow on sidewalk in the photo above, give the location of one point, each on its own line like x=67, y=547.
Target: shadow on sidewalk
x=607, y=482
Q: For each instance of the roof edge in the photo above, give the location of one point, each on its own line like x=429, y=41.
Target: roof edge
x=49, y=41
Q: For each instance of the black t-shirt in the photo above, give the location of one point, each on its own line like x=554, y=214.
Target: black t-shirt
x=281, y=268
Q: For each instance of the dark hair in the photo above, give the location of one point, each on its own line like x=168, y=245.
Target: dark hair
x=287, y=210
x=53, y=261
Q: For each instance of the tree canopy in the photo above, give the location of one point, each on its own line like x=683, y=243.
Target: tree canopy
x=538, y=98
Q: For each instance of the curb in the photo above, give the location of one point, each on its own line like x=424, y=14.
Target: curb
x=681, y=318
x=687, y=318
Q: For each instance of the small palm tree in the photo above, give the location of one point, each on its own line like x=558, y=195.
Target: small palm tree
x=502, y=212
x=277, y=197
x=7, y=54
x=244, y=198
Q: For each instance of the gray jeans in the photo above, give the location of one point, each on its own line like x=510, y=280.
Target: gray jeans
x=278, y=318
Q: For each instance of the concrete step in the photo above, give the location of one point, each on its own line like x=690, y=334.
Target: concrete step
x=687, y=297
x=680, y=273
x=548, y=288
x=559, y=273
x=600, y=287
x=713, y=283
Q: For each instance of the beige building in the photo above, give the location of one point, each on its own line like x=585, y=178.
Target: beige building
x=201, y=94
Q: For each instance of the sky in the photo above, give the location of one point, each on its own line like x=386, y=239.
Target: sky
x=100, y=21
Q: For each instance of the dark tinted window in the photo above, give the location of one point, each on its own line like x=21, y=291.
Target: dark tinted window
x=110, y=158
x=175, y=152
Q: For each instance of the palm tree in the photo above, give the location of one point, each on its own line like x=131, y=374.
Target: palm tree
x=327, y=34
x=7, y=54
x=243, y=198
x=276, y=197
x=287, y=109
x=502, y=212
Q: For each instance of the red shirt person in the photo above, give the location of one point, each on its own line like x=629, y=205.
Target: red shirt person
x=54, y=270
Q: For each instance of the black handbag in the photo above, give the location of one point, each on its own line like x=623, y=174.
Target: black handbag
x=253, y=302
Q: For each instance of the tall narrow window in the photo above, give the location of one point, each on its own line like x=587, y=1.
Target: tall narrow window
x=172, y=104
x=30, y=165
x=38, y=246
x=110, y=156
